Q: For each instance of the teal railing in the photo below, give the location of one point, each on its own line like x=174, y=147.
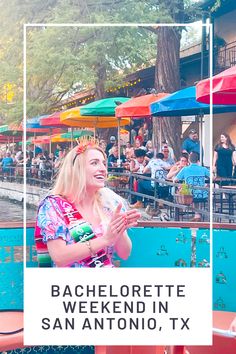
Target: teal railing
x=179, y=245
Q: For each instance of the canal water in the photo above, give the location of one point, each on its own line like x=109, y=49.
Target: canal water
x=13, y=211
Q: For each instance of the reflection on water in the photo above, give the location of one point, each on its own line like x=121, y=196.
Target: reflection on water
x=13, y=211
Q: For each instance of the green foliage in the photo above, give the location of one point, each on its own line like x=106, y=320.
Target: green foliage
x=61, y=59
x=72, y=56
x=185, y=190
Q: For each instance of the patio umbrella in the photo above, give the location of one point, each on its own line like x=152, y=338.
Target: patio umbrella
x=34, y=123
x=52, y=121
x=184, y=103
x=12, y=132
x=78, y=134
x=43, y=139
x=7, y=139
x=28, y=142
x=3, y=128
x=57, y=138
x=11, y=129
x=138, y=107
x=223, y=88
x=105, y=107
x=73, y=117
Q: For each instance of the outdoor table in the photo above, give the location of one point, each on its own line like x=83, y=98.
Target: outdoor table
x=116, y=169
x=221, y=180
x=231, y=198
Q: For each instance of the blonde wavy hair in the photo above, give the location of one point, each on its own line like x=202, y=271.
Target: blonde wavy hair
x=71, y=184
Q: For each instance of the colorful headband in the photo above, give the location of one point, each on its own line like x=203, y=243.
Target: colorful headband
x=83, y=144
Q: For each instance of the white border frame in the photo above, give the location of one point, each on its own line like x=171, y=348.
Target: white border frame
x=134, y=25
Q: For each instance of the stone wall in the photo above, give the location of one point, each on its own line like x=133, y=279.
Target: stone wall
x=14, y=191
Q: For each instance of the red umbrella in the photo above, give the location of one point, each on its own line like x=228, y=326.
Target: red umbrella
x=43, y=139
x=223, y=88
x=10, y=139
x=138, y=106
x=53, y=121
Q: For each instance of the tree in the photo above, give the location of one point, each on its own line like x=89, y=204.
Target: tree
x=167, y=76
x=167, y=79
x=59, y=61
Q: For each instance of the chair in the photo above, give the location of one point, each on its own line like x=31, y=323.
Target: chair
x=162, y=190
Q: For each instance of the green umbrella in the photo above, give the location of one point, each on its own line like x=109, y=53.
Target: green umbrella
x=27, y=143
x=4, y=128
x=103, y=107
x=77, y=134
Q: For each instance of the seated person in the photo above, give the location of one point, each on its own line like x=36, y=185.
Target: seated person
x=19, y=157
x=167, y=158
x=138, y=143
x=129, y=155
x=194, y=175
x=183, y=162
x=150, y=151
x=158, y=169
x=138, y=163
x=110, y=145
x=171, y=151
x=113, y=157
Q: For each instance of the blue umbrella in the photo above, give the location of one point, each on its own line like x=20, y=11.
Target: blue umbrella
x=184, y=103
x=35, y=122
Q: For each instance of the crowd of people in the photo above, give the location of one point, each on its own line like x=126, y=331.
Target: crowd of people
x=40, y=164
x=138, y=157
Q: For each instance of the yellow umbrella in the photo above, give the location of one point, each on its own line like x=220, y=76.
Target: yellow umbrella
x=123, y=131
x=73, y=118
x=58, y=139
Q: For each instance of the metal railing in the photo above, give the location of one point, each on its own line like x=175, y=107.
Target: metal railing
x=225, y=57
x=224, y=195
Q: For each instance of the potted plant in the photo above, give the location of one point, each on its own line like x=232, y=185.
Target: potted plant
x=113, y=181
x=184, y=195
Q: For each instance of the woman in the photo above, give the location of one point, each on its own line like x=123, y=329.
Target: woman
x=138, y=163
x=183, y=162
x=224, y=157
x=138, y=144
x=113, y=158
x=150, y=150
x=94, y=221
x=144, y=133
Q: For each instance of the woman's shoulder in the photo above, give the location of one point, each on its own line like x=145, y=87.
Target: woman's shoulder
x=49, y=200
x=218, y=147
x=110, y=200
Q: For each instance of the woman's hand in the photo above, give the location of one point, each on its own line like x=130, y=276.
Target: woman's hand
x=119, y=223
